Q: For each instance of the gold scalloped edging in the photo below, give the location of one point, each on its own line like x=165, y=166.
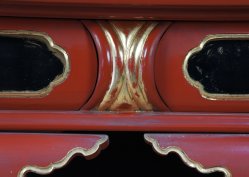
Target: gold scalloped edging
x=197, y=84
x=59, y=164
x=185, y=158
x=57, y=51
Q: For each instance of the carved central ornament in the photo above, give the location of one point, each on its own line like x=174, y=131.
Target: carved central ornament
x=127, y=48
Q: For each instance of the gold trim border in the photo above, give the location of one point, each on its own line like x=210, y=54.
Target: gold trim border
x=197, y=84
x=57, y=51
x=59, y=164
x=184, y=157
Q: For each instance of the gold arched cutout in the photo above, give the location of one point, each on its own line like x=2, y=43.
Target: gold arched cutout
x=57, y=51
x=185, y=158
x=61, y=163
x=197, y=84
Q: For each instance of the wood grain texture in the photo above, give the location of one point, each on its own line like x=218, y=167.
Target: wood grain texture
x=210, y=150
x=96, y=121
x=21, y=151
x=79, y=85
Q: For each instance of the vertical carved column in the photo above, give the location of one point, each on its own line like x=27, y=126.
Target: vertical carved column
x=126, y=65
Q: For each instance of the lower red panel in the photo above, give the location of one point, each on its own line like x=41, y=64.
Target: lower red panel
x=229, y=152
x=19, y=152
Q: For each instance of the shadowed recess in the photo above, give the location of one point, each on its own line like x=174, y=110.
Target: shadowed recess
x=127, y=156
x=222, y=67
x=26, y=64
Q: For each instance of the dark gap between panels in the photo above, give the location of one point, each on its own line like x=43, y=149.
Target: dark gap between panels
x=127, y=155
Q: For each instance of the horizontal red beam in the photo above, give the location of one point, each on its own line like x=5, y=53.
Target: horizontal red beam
x=131, y=2
x=129, y=9
x=95, y=121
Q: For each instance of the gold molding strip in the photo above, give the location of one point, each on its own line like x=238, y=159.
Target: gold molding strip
x=197, y=84
x=59, y=164
x=185, y=158
x=57, y=51
x=126, y=90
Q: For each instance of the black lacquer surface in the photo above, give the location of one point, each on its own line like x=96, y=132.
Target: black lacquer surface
x=26, y=64
x=222, y=67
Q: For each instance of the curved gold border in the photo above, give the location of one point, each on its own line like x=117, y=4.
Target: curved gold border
x=185, y=158
x=197, y=84
x=57, y=51
x=126, y=48
x=50, y=168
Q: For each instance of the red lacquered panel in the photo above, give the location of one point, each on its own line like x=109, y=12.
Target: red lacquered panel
x=75, y=90
x=128, y=9
x=138, y=2
x=172, y=85
x=20, y=153
x=207, y=151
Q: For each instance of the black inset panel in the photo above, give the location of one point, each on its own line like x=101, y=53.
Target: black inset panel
x=222, y=67
x=127, y=156
x=26, y=64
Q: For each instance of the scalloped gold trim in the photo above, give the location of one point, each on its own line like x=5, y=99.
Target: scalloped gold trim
x=57, y=51
x=185, y=158
x=197, y=84
x=59, y=164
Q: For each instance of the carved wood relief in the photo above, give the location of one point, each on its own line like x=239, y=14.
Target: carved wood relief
x=126, y=80
x=126, y=52
x=125, y=152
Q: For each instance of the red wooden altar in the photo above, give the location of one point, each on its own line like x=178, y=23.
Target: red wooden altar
x=132, y=73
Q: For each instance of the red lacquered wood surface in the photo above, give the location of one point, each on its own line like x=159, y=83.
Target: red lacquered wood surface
x=135, y=3
x=96, y=121
x=210, y=150
x=21, y=150
x=177, y=93
x=128, y=9
x=126, y=51
x=150, y=49
x=79, y=85
x=104, y=66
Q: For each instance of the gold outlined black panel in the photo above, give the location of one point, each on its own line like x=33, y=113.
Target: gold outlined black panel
x=218, y=67
x=31, y=64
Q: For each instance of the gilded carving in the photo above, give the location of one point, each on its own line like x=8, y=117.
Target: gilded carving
x=127, y=47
